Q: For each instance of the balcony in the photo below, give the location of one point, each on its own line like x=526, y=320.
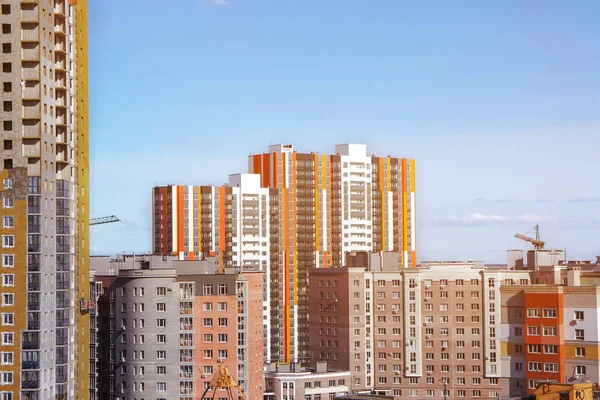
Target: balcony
x=30, y=384
x=59, y=28
x=30, y=32
x=31, y=148
x=31, y=70
x=59, y=7
x=60, y=45
x=31, y=345
x=31, y=129
x=33, y=306
x=31, y=109
x=30, y=51
x=30, y=365
x=31, y=92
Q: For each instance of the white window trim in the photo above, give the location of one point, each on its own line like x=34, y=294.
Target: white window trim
x=4, y=237
x=13, y=319
x=5, y=257
x=8, y=218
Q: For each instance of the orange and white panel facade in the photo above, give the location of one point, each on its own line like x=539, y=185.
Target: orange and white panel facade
x=331, y=205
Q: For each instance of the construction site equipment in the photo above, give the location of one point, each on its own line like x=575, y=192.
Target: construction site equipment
x=223, y=380
x=537, y=242
x=104, y=220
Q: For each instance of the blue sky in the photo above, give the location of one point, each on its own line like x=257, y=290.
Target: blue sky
x=498, y=101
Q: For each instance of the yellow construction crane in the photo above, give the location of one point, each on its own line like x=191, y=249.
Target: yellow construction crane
x=223, y=380
x=537, y=242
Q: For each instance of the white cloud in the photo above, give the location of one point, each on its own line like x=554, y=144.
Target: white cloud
x=216, y=2
x=476, y=219
x=584, y=200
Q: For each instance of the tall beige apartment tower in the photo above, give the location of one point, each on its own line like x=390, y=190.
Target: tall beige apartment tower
x=330, y=205
x=44, y=186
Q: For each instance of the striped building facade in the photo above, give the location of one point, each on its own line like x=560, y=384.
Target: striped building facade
x=332, y=205
x=235, y=223
x=292, y=212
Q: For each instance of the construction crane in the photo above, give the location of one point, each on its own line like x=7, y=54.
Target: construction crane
x=223, y=380
x=104, y=220
x=537, y=242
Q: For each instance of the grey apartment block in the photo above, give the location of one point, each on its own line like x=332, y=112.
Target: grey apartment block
x=146, y=335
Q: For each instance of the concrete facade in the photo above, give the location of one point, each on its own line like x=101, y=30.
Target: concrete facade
x=441, y=326
x=44, y=174
x=172, y=322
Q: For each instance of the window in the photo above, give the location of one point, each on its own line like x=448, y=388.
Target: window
x=8, y=299
x=222, y=338
x=533, y=330
x=222, y=321
x=161, y=323
x=161, y=370
x=207, y=306
x=222, y=288
x=549, y=331
x=161, y=354
x=550, y=349
x=579, y=315
x=549, y=313
x=534, y=366
x=550, y=367
x=8, y=358
x=8, y=202
x=8, y=260
x=518, y=331
x=7, y=378
x=161, y=291
x=8, y=338
x=161, y=339
x=533, y=312
x=580, y=370
x=579, y=334
x=8, y=241
x=222, y=306
x=222, y=353
x=161, y=386
x=8, y=319
x=207, y=322
x=8, y=222
x=580, y=352
x=208, y=338
x=531, y=384
x=8, y=280
x=161, y=307
x=207, y=290
x=534, y=348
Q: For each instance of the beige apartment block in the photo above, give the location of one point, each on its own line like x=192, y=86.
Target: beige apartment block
x=44, y=190
x=413, y=332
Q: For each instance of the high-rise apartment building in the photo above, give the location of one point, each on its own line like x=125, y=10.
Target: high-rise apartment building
x=235, y=223
x=424, y=332
x=330, y=205
x=291, y=213
x=550, y=331
x=45, y=204
x=170, y=325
